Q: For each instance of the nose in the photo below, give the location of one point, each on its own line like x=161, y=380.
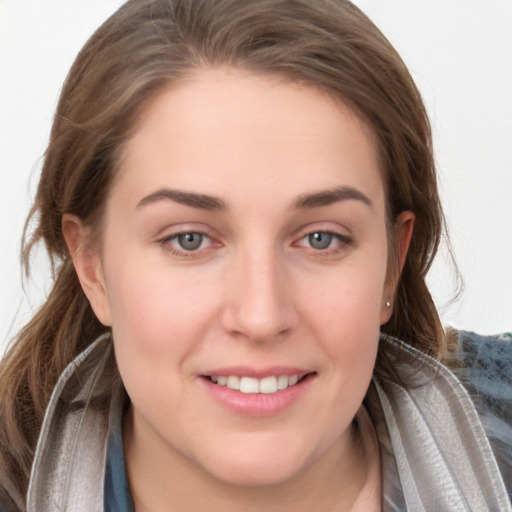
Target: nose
x=259, y=304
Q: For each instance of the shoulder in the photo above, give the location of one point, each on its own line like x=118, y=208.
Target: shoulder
x=484, y=366
x=444, y=430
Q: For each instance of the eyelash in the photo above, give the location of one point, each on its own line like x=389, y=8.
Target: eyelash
x=343, y=242
x=167, y=243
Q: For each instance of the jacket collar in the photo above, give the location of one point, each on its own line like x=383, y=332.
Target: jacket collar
x=434, y=450
x=69, y=464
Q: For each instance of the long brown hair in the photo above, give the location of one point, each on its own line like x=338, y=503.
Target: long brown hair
x=142, y=49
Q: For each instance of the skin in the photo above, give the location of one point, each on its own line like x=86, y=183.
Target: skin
x=256, y=292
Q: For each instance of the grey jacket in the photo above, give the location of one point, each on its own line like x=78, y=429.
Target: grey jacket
x=445, y=436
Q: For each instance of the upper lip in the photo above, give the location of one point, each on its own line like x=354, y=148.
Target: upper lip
x=258, y=373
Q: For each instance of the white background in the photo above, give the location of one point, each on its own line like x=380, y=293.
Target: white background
x=460, y=54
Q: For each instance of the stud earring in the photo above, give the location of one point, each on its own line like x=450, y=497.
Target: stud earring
x=388, y=304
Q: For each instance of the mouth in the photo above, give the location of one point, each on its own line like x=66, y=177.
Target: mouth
x=252, y=385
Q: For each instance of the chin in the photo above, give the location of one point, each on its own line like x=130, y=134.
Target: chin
x=255, y=474
x=259, y=465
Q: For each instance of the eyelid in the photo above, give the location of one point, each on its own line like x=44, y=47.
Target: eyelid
x=166, y=236
x=324, y=227
x=345, y=240
x=181, y=228
x=334, y=234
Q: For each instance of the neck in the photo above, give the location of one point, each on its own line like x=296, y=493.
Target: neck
x=332, y=482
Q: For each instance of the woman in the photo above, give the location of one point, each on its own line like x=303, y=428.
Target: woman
x=240, y=202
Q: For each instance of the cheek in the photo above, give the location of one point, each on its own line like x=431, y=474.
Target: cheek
x=159, y=319
x=343, y=319
x=158, y=313
x=345, y=316
x=349, y=300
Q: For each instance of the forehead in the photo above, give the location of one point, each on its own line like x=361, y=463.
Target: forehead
x=224, y=130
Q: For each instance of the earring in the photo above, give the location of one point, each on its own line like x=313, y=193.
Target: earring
x=388, y=304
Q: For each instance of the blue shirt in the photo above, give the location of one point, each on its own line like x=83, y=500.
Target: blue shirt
x=117, y=496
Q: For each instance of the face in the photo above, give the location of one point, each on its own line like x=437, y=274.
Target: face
x=245, y=246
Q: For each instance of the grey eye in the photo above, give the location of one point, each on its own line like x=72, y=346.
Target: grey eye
x=320, y=240
x=190, y=241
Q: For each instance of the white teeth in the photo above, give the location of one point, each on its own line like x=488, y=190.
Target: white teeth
x=233, y=382
x=267, y=385
x=282, y=382
x=249, y=385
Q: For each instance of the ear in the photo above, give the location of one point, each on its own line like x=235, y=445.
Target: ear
x=403, y=233
x=88, y=265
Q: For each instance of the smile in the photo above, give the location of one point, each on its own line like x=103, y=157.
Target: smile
x=267, y=385
x=251, y=393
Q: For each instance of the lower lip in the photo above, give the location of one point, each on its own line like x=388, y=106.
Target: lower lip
x=258, y=404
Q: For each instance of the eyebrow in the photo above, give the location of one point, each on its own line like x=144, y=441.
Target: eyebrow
x=192, y=199
x=212, y=203
x=328, y=197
